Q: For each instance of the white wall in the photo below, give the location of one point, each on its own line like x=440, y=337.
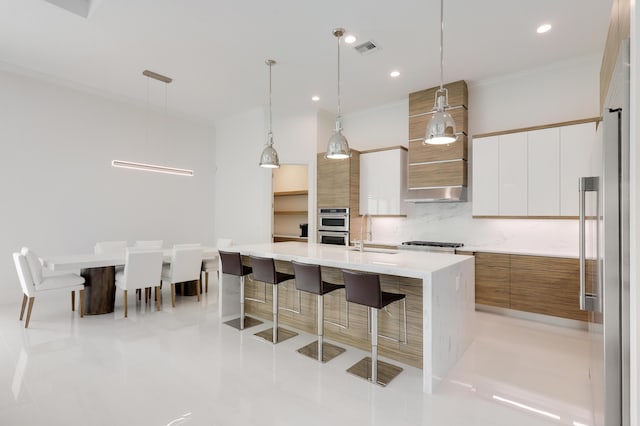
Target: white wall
x=243, y=189
x=60, y=193
x=560, y=92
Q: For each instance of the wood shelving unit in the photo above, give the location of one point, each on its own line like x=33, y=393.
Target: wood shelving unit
x=291, y=212
x=288, y=193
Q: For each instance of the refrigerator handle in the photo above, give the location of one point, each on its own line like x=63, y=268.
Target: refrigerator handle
x=585, y=184
x=581, y=248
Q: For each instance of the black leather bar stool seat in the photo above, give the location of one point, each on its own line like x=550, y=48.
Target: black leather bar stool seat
x=309, y=279
x=364, y=289
x=264, y=269
x=232, y=265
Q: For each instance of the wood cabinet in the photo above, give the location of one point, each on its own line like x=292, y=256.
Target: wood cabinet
x=492, y=279
x=546, y=285
x=428, y=164
x=383, y=182
x=532, y=172
x=338, y=185
x=536, y=284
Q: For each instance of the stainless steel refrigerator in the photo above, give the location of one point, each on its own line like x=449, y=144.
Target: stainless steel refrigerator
x=604, y=254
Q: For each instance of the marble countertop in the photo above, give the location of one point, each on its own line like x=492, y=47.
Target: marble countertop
x=403, y=263
x=524, y=252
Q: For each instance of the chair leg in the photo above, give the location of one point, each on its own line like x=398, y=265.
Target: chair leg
x=181, y=289
x=198, y=289
x=139, y=293
x=157, y=298
x=173, y=295
x=126, y=308
x=374, y=345
x=73, y=301
x=206, y=280
x=81, y=304
x=275, y=313
x=31, y=299
x=24, y=303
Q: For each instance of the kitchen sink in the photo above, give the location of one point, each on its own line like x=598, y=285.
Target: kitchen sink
x=374, y=250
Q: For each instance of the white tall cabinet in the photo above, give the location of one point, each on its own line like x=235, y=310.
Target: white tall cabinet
x=531, y=173
x=383, y=182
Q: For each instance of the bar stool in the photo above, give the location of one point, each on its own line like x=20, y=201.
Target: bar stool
x=364, y=289
x=264, y=269
x=232, y=265
x=309, y=279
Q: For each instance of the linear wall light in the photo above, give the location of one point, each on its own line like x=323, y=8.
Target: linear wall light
x=151, y=168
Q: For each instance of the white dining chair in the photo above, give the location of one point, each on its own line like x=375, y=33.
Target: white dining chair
x=109, y=247
x=211, y=265
x=150, y=244
x=186, y=263
x=142, y=266
x=35, y=281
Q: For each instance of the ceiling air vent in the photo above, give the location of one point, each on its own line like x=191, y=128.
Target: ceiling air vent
x=367, y=47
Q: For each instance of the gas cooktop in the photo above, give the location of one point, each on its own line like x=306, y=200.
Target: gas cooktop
x=432, y=244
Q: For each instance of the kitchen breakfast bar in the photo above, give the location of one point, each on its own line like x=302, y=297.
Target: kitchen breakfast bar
x=440, y=301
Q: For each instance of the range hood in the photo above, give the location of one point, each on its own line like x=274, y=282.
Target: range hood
x=442, y=194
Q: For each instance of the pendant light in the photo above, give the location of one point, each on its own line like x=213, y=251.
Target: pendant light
x=338, y=147
x=441, y=129
x=269, y=158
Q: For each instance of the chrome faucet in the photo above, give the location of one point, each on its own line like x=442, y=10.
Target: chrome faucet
x=362, y=221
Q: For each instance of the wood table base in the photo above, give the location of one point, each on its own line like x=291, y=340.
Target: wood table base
x=99, y=290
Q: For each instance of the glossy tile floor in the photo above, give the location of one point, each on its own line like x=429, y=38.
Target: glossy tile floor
x=183, y=366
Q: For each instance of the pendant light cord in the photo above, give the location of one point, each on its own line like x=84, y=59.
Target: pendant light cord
x=339, y=106
x=270, y=120
x=441, y=44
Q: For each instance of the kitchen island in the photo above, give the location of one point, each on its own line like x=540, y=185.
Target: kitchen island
x=440, y=301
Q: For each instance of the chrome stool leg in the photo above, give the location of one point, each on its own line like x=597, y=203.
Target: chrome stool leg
x=243, y=321
x=321, y=350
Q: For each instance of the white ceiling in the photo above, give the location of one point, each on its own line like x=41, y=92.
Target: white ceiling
x=215, y=49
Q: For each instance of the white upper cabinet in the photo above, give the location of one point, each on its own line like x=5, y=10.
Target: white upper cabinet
x=486, y=176
x=513, y=174
x=543, y=163
x=576, y=144
x=532, y=173
x=383, y=182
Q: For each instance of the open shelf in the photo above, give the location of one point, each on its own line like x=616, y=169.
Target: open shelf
x=287, y=193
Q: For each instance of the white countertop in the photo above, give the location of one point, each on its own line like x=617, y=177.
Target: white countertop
x=412, y=264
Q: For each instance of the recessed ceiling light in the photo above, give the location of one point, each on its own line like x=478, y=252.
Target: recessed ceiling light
x=543, y=28
x=315, y=98
x=350, y=39
x=394, y=73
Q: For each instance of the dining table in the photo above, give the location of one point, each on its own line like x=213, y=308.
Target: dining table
x=99, y=272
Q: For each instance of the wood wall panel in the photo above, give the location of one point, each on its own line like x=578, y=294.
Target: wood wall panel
x=452, y=173
x=421, y=153
x=546, y=285
x=332, y=182
x=423, y=101
x=418, y=123
x=390, y=320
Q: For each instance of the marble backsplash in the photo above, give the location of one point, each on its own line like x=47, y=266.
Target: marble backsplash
x=452, y=222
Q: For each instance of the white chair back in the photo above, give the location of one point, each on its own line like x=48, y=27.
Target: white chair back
x=150, y=244
x=35, y=267
x=109, y=247
x=186, y=264
x=24, y=274
x=223, y=243
x=143, y=268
